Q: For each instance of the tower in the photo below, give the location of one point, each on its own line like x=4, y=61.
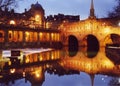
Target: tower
x=92, y=14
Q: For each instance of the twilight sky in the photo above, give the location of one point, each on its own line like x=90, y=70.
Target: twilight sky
x=70, y=7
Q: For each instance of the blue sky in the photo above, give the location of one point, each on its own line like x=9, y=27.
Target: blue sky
x=70, y=7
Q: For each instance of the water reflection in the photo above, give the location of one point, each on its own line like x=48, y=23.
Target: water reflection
x=32, y=67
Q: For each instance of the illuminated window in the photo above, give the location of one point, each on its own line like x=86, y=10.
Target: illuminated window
x=27, y=36
x=38, y=20
x=41, y=36
x=20, y=36
x=37, y=17
x=10, y=36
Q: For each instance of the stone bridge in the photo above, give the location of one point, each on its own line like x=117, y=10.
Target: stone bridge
x=96, y=28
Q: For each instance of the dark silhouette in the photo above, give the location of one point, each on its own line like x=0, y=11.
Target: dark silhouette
x=116, y=10
x=92, y=46
x=114, y=82
x=7, y=3
x=73, y=45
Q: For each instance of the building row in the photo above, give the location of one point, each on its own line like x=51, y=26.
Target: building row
x=34, y=18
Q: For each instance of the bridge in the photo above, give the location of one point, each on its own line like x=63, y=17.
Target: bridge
x=97, y=28
x=81, y=30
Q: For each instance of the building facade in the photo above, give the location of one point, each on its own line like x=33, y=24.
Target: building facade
x=27, y=29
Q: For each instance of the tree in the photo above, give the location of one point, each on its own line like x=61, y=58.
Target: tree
x=8, y=3
x=116, y=10
x=114, y=82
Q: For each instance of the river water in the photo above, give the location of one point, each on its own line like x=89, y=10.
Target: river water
x=33, y=67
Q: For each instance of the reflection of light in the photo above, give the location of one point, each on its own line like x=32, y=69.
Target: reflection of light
x=119, y=80
x=102, y=78
x=118, y=23
x=37, y=74
x=41, y=59
x=23, y=74
x=47, y=66
x=27, y=60
x=52, y=57
x=12, y=70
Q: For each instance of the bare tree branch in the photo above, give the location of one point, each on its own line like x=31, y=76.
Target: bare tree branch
x=8, y=3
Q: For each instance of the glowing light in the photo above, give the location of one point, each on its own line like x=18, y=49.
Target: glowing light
x=41, y=59
x=27, y=33
x=119, y=80
x=23, y=74
x=12, y=22
x=12, y=70
x=37, y=17
x=118, y=23
x=37, y=74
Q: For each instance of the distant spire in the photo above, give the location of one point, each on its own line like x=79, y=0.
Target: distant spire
x=92, y=14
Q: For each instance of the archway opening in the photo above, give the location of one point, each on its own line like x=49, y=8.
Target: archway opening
x=92, y=46
x=72, y=45
x=112, y=39
x=115, y=38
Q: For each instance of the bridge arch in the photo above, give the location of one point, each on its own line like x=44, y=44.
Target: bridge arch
x=73, y=43
x=92, y=45
x=112, y=38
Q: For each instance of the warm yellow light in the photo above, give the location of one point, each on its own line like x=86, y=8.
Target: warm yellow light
x=106, y=30
x=108, y=64
x=27, y=33
x=41, y=34
x=37, y=74
x=12, y=22
x=37, y=17
x=12, y=70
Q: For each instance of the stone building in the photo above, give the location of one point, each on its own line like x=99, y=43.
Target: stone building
x=33, y=18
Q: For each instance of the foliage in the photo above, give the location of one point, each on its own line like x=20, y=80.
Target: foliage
x=8, y=3
x=116, y=10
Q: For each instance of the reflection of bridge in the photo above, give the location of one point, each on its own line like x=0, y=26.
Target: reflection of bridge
x=100, y=64
x=99, y=28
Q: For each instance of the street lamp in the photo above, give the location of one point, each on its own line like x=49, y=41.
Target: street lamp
x=12, y=22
